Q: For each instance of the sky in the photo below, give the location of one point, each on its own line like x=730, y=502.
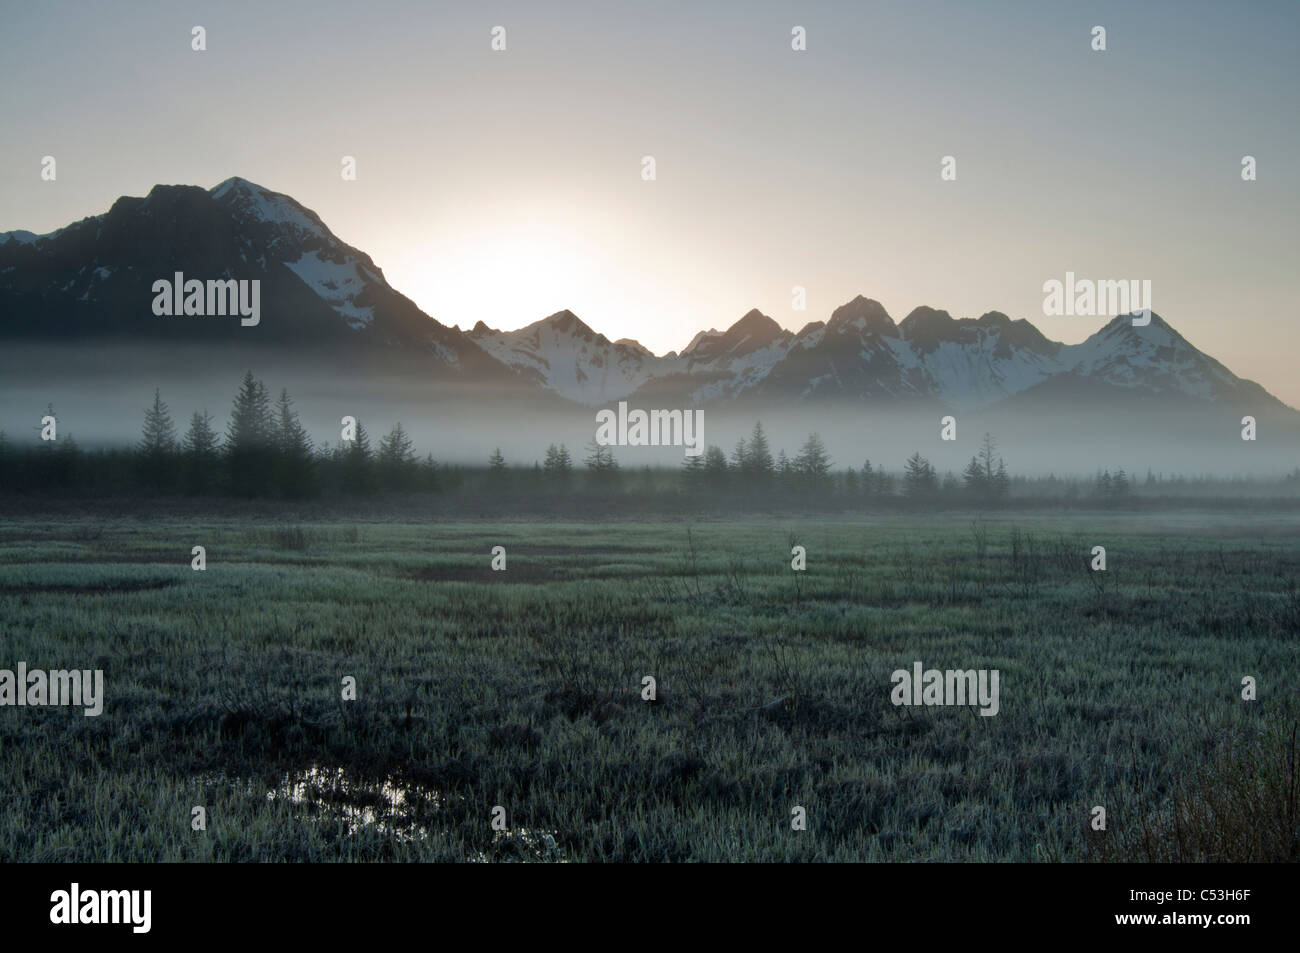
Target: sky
x=503, y=186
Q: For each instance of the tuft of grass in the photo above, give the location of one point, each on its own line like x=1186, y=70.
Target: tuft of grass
x=1241, y=807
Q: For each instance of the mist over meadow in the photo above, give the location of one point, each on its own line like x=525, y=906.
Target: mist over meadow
x=99, y=395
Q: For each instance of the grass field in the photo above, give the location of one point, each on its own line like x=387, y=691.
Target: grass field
x=522, y=688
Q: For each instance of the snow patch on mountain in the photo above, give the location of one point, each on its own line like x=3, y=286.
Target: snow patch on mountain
x=562, y=353
x=337, y=284
x=971, y=374
x=255, y=203
x=274, y=222
x=1155, y=357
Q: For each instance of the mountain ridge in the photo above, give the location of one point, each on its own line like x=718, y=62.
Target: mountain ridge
x=87, y=280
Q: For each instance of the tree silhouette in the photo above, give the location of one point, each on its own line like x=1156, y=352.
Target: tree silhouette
x=740, y=457
x=557, y=466
x=250, y=440
x=602, y=468
x=715, y=467
x=693, y=471
x=295, y=465
x=813, y=465
x=157, y=445
x=784, y=473
x=1119, y=484
x=201, y=454
x=758, y=459
x=987, y=452
x=1001, y=481
x=919, y=478
x=358, y=463
x=397, y=466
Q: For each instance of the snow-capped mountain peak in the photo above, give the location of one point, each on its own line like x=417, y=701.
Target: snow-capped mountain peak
x=252, y=204
x=561, y=353
x=96, y=276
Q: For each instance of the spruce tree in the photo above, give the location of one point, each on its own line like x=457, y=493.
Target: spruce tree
x=693, y=471
x=358, y=463
x=784, y=473
x=919, y=478
x=295, y=470
x=759, y=458
x=201, y=454
x=988, y=450
x=813, y=465
x=601, y=465
x=1119, y=485
x=1001, y=480
x=740, y=457
x=157, y=445
x=977, y=483
x=250, y=440
x=715, y=467
x=397, y=460
x=557, y=466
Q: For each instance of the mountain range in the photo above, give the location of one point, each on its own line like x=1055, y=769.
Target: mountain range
x=90, y=282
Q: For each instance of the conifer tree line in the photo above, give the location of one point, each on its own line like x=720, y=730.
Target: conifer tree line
x=264, y=451
x=751, y=468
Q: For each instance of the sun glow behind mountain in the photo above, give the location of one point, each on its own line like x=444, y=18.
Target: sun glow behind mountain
x=506, y=186
x=504, y=273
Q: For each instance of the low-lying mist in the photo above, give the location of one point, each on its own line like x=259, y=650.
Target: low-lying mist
x=99, y=396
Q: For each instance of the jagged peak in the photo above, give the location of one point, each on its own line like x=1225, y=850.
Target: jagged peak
x=634, y=345
x=753, y=331
x=1126, y=321
x=1157, y=331
x=754, y=322
x=867, y=313
x=235, y=184
x=161, y=190
x=925, y=315
x=699, y=339
x=565, y=322
x=253, y=203
x=926, y=327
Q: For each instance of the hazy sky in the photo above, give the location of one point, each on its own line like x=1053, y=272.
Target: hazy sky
x=504, y=186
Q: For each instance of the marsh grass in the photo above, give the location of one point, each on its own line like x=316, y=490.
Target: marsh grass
x=522, y=688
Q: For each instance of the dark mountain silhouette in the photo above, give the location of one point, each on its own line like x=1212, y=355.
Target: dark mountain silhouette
x=91, y=282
